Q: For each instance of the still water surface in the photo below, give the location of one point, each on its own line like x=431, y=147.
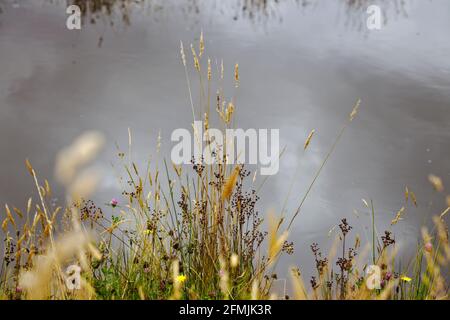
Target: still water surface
x=302, y=65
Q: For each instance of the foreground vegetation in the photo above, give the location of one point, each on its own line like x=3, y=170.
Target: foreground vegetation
x=194, y=232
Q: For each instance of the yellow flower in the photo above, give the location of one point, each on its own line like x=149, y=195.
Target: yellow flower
x=147, y=232
x=234, y=260
x=405, y=278
x=181, y=278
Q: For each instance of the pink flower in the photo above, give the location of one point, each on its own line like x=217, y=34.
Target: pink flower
x=114, y=202
x=428, y=247
x=388, y=276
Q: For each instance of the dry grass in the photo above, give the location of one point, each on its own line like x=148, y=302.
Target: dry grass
x=193, y=231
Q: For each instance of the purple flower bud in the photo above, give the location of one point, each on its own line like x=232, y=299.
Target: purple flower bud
x=114, y=202
x=388, y=276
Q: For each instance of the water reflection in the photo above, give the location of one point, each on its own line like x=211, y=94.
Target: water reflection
x=255, y=10
x=258, y=11
x=355, y=9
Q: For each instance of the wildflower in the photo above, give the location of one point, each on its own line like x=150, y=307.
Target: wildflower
x=234, y=260
x=388, y=276
x=114, y=202
x=147, y=232
x=221, y=273
x=406, y=279
x=146, y=270
x=181, y=278
x=428, y=247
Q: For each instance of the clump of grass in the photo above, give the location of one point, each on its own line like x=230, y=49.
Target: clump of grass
x=177, y=232
x=194, y=231
x=424, y=277
x=36, y=253
x=196, y=223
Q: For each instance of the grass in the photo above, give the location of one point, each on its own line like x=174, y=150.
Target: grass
x=193, y=232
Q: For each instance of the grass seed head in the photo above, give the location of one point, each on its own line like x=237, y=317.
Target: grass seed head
x=308, y=139
x=355, y=110
x=201, y=45
x=236, y=75
x=229, y=185
x=183, y=56
x=436, y=182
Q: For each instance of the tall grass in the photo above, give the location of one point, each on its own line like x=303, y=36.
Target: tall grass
x=192, y=232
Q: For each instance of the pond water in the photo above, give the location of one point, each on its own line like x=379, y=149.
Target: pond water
x=302, y=66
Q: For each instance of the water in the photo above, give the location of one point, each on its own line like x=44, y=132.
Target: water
x=302, y=65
